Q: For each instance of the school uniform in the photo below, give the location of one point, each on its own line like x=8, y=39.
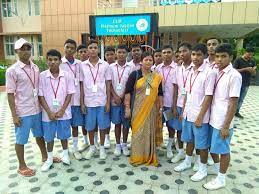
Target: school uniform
x=95, y=97
x=136, y=66
x=180, y=79
x=228, y=85
x=23, y=81
x=200, y=83
x=78, y=118
x=55, y=91
x=119, y=77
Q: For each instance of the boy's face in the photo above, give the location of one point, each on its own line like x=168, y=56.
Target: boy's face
x=136, y=52
x=70, y=49
x=53, y=62
x=249, y=55
x=158, y=58
x=83, y=54
x=167, y=54
x=93, y=50
x=110, y=57
x=211, y=45
x=24, y=53
x=184, y=53
x=121, y=55
x=197, y=58
x=222, y=59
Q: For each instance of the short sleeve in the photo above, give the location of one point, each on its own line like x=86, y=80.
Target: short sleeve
x=131, y=82
x=41, y=93
x=11, y=79
x=160, y=89
x=71, y=86
x=236, y=63
x=81, y=73
x=210, y=83
x=235, y=86
x=108, y=73
x=174, y=79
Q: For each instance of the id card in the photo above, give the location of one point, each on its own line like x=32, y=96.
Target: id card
x=147, y=91
x=94, y=88
x=183, y=91
x=55, y=103
x=35, y=92
x=76, y=81
x=119, y=87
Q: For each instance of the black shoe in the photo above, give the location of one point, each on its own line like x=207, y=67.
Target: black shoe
x=238, y=115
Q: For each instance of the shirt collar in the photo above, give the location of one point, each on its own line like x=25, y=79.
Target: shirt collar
x=22, y=65
x=228, y=68
x=89, y=63
x=173, y=64
x=61, y=74
x=64, y=60
x=126, y=64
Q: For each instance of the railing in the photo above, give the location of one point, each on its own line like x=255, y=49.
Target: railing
x=146, y=3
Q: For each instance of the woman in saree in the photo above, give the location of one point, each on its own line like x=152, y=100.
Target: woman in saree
x=143, y=90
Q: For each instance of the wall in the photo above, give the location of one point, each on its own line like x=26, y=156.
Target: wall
x=63, y=19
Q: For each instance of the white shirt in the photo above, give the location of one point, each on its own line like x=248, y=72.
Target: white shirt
x=228, y=86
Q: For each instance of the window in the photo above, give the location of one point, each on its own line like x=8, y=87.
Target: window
x=34, y=7
x=32, y=46
x=9, y=45
x=40, y=50
x=9, y=8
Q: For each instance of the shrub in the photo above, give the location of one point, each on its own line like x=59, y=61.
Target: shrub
x=2, y=77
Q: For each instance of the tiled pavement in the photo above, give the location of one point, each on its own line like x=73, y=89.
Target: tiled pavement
x=115, y=175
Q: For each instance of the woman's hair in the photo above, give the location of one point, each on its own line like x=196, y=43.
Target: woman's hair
x=146, y=54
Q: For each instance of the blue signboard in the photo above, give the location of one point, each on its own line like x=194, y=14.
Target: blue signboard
x=181, y=2
x=122, y=25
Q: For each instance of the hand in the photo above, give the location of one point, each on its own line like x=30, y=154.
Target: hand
x=83, y=109
x=198, y=122
x=107, y=107
x=60, y=113
x=175, y=113
x=224, y=133
x=127, y=113
x=249, y=69
x=117, y=100
x=16, y=121
x=181, y=117
x=52, y=116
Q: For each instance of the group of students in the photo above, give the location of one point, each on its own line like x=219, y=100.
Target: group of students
x=199, y=86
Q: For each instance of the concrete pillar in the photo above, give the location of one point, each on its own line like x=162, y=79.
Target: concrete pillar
x=239, y=43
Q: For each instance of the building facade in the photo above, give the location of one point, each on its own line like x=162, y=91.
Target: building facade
x=48, y=23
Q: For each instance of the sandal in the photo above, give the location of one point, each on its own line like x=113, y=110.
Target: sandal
x=26, y=172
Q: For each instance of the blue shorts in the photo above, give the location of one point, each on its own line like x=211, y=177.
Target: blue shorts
x=219, y=145
x=198, y=136
x=117, y=116
x=58, y=128
x=33, y=123
x=78, y=119
x=96, y=116
x=169, y=123
x=177, y=124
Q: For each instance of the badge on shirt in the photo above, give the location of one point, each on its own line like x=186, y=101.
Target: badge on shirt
x=76, y=81
x=119, y=87
x=35, y=92
x=147, y=91
x=183, y=91
x=55, y=103
x=94, y=88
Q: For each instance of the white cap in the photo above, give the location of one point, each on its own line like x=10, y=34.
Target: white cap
x=19, y=43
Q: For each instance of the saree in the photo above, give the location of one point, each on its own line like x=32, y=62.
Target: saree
x=144, y=122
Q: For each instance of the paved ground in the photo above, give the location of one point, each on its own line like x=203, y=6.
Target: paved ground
x=115, y=175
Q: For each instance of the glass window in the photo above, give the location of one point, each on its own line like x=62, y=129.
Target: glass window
x=40, y=50
x=9, y=45
x=29, y=7
x=37, y=7
x=9, y=8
